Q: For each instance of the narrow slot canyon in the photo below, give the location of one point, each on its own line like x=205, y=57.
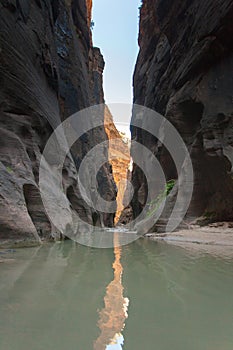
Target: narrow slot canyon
x=184, y=99
x=179, y=70
x=116, y=174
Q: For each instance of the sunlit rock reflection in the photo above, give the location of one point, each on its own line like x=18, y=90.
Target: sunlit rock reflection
x=112, y=317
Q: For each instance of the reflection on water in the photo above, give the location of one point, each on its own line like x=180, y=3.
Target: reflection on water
x=179, y=299
x=112, y=317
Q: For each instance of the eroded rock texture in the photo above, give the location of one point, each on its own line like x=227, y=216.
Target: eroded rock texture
x=184, y=71
x=48, y=71
x=119, y=158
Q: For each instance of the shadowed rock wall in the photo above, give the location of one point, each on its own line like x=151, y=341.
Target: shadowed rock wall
x=48, y=71
x=184, y=71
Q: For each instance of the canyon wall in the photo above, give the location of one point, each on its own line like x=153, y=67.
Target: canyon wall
x=184, y=72
x=48, y=71
x=119, y=158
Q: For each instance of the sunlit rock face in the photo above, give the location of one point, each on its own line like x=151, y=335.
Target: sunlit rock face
x=184, y=72
x=89, y=11
x=119, y=158
x=48, y=71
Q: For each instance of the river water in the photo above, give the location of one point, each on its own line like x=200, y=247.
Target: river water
x=145, y=295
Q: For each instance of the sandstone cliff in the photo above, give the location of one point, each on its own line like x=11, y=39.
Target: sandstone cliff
x=48, y=71
x=184, y=71
x=119, y=158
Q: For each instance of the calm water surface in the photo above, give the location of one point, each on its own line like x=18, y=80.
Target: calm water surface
x=145, y=295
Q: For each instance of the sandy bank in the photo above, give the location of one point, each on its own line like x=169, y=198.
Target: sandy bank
x=213, y=239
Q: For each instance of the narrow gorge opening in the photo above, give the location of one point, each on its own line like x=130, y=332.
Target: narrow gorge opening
x=80, y=280
x=182, y=72
x=117, y=36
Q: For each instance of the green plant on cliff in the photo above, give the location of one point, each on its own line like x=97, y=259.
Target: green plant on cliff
x=156, y=203
x=9, y=169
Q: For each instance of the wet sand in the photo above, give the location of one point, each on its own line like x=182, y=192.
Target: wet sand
x=213, y=239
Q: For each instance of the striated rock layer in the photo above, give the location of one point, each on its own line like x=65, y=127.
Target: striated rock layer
x=48, y=71
x=184, y=71
x=119, y=158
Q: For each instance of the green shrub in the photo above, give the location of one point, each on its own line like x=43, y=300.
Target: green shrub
x=9, y=169
x=156, y=203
